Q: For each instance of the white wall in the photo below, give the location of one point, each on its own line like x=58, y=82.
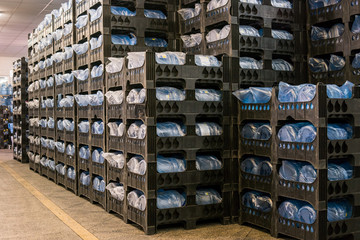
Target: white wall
x=6, y=64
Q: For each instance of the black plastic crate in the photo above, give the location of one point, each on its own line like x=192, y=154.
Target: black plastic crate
x=84, y=164
x=151, y=218
x=84, y=191
x=69, y=112
x=255, y=217
x=115, y=79
x=99, y=197
x=70, y=136
x=50, y=133
x=50, y=112
x=315, y=152
x=192, y=24
x=118, y=50
x=318, y=192
x=150, y=72
x=332, y=45
x=320, y=229
x=151, y=181
x=83, y=86
x=98, y=111
x=83, y=112
x=69, y=15
x=98, y=140
x=69, y=64
x=31, y=165
x=334, y=77
x=340, y=10
x=228, y=45
x=81, y=7
x=116, y=174
x=50, y=90
x=82, y=33
x=72, y=185
x=268, y=12
x=83, y=59
x=114, y=142
x=71, y=160
x=255, y=182
x=97, y=83
x=58, y=67
x=60, y=179
x=69, y=39
x=42, y=73
x=83, y=138
x=266, y=77
x=248, y=111
x=59, y=89
x=98, y=169
x=115, y=111
x=49, y=71
x=153, y=144
x=255, y=147
x=153, y=107
x=51, y=175
x=58, y=22
x=116, y=206
x=50, y=153
x=222, y=14
x=320, y=109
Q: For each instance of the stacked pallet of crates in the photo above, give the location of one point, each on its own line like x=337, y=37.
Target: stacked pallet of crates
x=5, y=119
x=265, y=48
x=346, y=45
x=188, y=112
x=224, y=50
x=107, y=25
x=20, y=119
x=89, y=113
x=46, y=93
x=320, y=112
x=64, y=160
x=34, y=131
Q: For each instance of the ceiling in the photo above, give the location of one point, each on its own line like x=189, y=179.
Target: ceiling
x=17, y=19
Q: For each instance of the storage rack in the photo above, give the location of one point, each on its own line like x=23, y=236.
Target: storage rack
x=320, y=111
x=346, y=45
x=5, y=135
x=20, y=116
x=189, y=112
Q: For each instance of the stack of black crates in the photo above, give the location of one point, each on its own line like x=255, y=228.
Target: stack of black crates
x=347, y=45
x=20, y=116
x=5, y=134
x=267, y=48
x=189, y=77
x=320, y=112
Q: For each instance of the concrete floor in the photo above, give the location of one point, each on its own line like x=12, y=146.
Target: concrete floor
x=23, y=216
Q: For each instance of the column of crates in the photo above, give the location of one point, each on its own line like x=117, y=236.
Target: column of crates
x=320, y=153
x=342, y=41
x=101, y=31
x=47, y=105
x=21, y=120
x=34, y=101
x=65, y=88
x=189, y=112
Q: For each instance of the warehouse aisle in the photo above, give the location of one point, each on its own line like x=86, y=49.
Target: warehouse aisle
x=23, y=216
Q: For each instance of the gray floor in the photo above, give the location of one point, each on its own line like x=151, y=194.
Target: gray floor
x=23, y=216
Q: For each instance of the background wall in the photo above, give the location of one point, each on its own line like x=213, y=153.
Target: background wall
x=6, y=64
